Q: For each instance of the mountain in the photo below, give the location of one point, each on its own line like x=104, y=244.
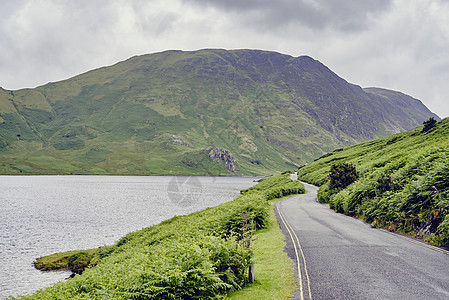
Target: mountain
x=214, y=112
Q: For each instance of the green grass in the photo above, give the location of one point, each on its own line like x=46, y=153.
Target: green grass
x=5, y=105
x=403, y=182
x=61, y=260
x=50, y=163
x=274, y=276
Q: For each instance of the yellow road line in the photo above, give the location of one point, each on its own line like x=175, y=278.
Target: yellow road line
x=305, y=265
x=288, y=227
x=296, y=252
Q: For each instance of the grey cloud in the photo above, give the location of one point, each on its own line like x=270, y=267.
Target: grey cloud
x=394, y=44
x=43, y=39
x=152, y=22
x=346, y=16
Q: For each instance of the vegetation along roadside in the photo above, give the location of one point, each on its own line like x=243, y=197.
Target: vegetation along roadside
x=206, y=254
x=400, y=182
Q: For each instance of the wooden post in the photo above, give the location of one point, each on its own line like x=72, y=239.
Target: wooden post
x=251, y=273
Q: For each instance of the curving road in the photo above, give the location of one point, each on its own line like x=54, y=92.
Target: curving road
x=344, y=258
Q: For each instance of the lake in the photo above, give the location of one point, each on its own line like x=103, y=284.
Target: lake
x=41, y=215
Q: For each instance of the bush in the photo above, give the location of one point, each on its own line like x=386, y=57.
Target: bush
x=429, y=124
x=78, y=262
x=324, y=193
x=194, y=268
x=255, y=215
x=341, y=175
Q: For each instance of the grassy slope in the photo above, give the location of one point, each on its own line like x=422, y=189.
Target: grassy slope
x=107, y=130
x=199, y=255
x=403, y=183
x=162, y=113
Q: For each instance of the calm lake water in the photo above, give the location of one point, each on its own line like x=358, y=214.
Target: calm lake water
x=41, y=215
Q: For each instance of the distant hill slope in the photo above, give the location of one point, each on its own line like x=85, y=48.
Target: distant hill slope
x=203, y=112
x=402, y=185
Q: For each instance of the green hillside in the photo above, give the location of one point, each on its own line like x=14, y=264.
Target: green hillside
x=214, y=112
x=402, y=184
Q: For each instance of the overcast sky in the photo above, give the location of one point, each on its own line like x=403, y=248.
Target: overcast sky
x=396, y=44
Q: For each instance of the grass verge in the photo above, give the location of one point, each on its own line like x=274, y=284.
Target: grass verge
x=274, y=278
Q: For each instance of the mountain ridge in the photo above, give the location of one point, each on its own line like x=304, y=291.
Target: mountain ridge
x=163, y=113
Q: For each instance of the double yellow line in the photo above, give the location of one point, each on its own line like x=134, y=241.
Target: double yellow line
x=297, y=247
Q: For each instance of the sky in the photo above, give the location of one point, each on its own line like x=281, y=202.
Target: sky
x=401, y=45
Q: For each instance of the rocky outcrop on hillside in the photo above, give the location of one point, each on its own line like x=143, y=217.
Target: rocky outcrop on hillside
x=220, y=154
x=177, y=140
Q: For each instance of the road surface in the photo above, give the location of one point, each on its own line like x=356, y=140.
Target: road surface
x=344, y=258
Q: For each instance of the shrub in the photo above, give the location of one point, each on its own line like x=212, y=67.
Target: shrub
x=78, y=262
x=384, y=183
x=341, y=175
x=193, y=268
x=429, y=124
x=324, y=193
x=254, y=213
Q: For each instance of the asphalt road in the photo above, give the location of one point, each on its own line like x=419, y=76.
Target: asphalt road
x=344, y=258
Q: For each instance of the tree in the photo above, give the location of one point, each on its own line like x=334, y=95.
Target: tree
x=341, y=175
x=429, y=124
